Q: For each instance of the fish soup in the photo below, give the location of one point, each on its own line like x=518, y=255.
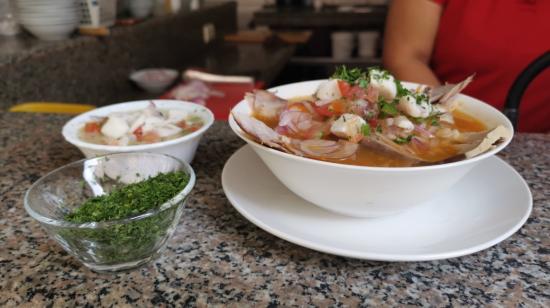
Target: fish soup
x=368, y=118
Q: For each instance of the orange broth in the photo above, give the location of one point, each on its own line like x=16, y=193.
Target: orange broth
x=380, y=158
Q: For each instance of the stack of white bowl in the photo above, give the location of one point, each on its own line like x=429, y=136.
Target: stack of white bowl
x=49, y=19
x=141, y=8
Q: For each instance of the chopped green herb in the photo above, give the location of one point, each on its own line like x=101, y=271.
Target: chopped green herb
x=401, y=140
x=194, y=118
x=130, y=200
x=401, y=91
x=387, y=109
x=378, y=74
x=421, y=98
x=365, y=130
x=351, y=76
x=417, y=120
x=135, y=239
x=379, y=128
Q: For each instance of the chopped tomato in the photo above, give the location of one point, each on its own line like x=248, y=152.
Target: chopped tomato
x=138, y=133
x=344, y=88
x=150, y=137
x=356, y=92
x=92, y=127
x=373, y=123
x=334, y=108
x=194, y=127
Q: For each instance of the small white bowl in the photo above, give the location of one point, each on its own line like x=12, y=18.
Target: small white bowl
x=154, y=80
x=367, y=191
x=183, y=147
x=51, y=32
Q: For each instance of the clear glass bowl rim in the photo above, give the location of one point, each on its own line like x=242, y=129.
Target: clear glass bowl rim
x=180, y=197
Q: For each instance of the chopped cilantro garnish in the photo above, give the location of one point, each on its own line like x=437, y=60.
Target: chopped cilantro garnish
x=401, y=91
x=421, y=98
x=352, y=76
x=379, y=128
x=365, y=130
x=134, y=239
x=377, y=73
x=401, y=140
x=130, y=200
x=433, y=119
x=387, y=108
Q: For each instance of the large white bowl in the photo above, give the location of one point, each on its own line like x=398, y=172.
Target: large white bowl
x=183, y=147
x=366, y=191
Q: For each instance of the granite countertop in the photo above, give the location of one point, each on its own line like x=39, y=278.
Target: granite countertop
x=217, y=257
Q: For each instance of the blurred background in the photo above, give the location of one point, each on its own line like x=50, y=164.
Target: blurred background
x=89, y=51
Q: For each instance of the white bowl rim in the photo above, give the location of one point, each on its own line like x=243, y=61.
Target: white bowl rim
x=134, y=148
x=243, y=135
x=152, y=69
x=136, y=76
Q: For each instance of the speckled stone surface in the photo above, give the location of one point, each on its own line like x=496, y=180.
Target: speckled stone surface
x=219, y=258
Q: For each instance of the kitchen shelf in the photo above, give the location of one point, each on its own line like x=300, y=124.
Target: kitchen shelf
x=319, y=61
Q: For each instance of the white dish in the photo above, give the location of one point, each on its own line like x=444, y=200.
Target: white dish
x=49, y=20
x=361, y=191
x=154, y=80
x=485, y=207
x=183, y=147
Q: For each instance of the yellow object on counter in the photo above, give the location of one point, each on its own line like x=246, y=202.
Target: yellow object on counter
x=51, y=107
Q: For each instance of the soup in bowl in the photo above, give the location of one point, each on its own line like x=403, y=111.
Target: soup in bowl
x=355, y=186
x=159, y=126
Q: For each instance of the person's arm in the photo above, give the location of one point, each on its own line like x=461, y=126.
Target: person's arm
x=411, y=27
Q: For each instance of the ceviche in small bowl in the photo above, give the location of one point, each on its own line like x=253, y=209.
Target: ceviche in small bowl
x=365, y=144
x=159, y=126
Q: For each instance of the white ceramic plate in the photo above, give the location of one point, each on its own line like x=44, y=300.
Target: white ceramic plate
x=487, y=206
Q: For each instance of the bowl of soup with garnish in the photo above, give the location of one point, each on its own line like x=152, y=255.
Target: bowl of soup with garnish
x=375, y=165
x=158, y=126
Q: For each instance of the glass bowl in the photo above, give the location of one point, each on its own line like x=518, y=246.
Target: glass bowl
x=108, y=245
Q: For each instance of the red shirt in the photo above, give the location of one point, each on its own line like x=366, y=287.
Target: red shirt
x=496, y=39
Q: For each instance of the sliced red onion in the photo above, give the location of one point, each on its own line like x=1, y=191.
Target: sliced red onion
x=422, y=131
